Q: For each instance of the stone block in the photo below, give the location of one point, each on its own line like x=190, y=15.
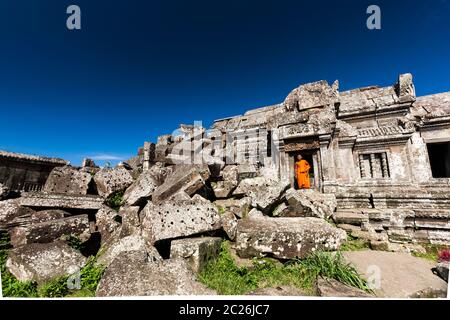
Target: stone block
x=131, y=274
x=186, y=178
x=49, y=231
x=68, y=180
x=109, y=181
x=44, y=262
x=196, y=251
x=171, y=220
x=286, y=238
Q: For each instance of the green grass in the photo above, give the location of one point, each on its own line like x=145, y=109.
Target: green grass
x=354, y=244
x=115, y=201
x=223, y=275
x=90, y=276
x=11, y=287
x=432, y=252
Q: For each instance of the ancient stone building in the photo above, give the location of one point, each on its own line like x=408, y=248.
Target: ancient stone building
x=383, y=152
x=22, y=172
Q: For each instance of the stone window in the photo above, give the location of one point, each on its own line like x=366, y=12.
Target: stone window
x=439, y=154
x=374, y=165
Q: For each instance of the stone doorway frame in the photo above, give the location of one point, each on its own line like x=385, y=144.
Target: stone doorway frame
x=311, y=147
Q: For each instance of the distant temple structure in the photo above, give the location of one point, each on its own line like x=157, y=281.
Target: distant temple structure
x=383, y=152
x=23, y=172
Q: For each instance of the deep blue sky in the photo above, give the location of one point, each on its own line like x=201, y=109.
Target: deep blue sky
x=139, y=68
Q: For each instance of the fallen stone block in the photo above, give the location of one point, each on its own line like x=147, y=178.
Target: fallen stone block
x=282, y=210
x=142, y=189
x=48, y=231
x=196, y=251
x=239, y=207
x=265, y=194
x=130, y=243
x=332, y=288
x=230, y=173
x=171, y=220
x=11, y=210
x=223, y=189
x=246, y=171
x=68, y=180
x=131, y=274
x=35, y=217
x=229, y=224
x=286, y=238
x=310, y=203
x=44, y=262
x=130, y=220
x=109, y=181
x=442, y=270
x=186, y=178
x=107, y=222
x=45, y=200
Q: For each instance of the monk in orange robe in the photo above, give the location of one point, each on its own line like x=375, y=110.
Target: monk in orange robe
x=302, y=173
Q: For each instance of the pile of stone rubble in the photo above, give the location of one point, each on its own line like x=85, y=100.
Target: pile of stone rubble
x=169, y=222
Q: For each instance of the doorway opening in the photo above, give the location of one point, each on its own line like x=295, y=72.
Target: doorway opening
x=439, y=154
x=310, y=157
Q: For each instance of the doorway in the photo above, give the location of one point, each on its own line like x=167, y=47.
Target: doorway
x=439, y=155
x=311, y=156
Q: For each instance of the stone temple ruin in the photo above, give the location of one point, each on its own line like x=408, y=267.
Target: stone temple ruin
x=380, y=171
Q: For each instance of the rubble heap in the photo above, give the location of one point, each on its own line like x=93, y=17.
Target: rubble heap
x=155, y=220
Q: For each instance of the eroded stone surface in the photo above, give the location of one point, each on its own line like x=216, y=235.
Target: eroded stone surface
x=229, y=224
x=442, y=270
x=48, y=231
x=44, y=262
x=332, y=288
x=130, y=243
x=10, y=210
x=264, y=193
x=141, y=189
x=68, y=180
x=106, y=222
x=130, y=220
x=179, y=219
x=109, y=181
x=186, y=178
x=310, y=203
x=45, y=200
x=286, y=238
x=131, y=274
x=196, y=251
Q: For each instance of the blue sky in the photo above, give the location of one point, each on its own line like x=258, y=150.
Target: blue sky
x=139, y=68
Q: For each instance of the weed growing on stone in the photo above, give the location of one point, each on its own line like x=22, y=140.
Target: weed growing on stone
x=115, y=201
x=354, y=244
x=11, y=287
x=223, y=275
x=90, y=276
x=432, y=252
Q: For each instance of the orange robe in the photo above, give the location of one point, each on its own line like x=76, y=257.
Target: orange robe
x=302, y=170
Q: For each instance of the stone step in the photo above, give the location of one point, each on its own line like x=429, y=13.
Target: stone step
x=350, y=217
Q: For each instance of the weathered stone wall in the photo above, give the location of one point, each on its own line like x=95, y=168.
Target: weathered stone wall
x=25, y=173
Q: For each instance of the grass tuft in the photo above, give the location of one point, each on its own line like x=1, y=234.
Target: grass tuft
x=90, y=276
x=226, y=278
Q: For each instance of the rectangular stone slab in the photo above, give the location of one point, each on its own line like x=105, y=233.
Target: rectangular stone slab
x=49, y=231
x=286, y=238
x=46, y=200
